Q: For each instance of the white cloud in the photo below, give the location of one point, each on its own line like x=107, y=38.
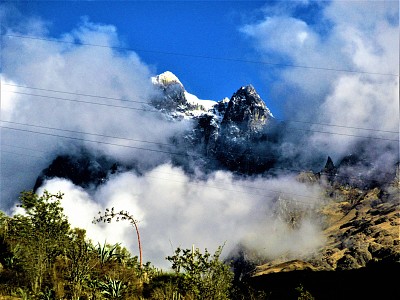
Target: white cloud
x=175, y=210
x=76, y=69
x=362, y=37
x=9, y=100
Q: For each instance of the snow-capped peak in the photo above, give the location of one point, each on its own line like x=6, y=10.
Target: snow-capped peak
x=166, y=78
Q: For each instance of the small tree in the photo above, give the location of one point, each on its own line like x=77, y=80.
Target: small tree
x=38, y=236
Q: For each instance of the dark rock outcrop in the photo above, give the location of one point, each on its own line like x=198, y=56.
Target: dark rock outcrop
x=82, y=169
x=245, y=142
x=246, y=112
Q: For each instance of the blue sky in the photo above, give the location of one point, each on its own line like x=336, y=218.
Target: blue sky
x=220, y=29
x=197, y=28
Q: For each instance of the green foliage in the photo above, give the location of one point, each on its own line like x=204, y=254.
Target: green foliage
x=112, y=288
x=80, y=262
x=163, y=286
x=47, y=294
x=167, y=291
x=38, y=236
x=303, y=294
x=204, y=276
x=41, y=257
x=7, y=258
x=106, y=253
x=23, y=294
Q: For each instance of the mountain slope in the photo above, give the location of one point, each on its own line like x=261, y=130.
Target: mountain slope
x=360, y=256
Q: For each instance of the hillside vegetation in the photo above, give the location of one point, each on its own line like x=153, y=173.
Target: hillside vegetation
x=42, y=257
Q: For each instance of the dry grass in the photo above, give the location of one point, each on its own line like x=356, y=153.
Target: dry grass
x=379, y=223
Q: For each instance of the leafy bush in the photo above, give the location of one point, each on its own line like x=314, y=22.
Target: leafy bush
x=204, y=276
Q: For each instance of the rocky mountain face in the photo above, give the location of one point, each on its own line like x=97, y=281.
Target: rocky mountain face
x=82, y=169
x=232, y=133
x=246, y=112
x=243, y=140
x=171, y=95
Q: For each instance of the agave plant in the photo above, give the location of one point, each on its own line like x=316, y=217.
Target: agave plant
x=106, y=252
x=23, y=294
x=47, y=294
x=112, y=288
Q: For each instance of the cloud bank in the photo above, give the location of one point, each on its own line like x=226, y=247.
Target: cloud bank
x=175, y=210
x=342, y=69
x=119, y=116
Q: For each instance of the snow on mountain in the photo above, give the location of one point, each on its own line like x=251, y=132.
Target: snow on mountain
x=233, y=131
x=166, y=78
x=200, y=106
x=175, y=100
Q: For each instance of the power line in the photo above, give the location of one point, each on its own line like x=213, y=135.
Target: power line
x=220, y=188
x=75, y=94
x=157, y=111
x=85, y=102
x=92, y=141
x=236, y=173
x=88, y=133
x=147, y=103
x=141, y=141
x=341, y=126
x=202, y=56
x=135, y=140
x=345, y=134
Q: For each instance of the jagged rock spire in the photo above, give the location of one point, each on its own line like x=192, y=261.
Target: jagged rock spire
x=247, y=109
x=329, y=166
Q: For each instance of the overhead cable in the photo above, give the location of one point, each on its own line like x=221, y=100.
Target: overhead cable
x=158, y=111
x=200, y=56
x=147, y=103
